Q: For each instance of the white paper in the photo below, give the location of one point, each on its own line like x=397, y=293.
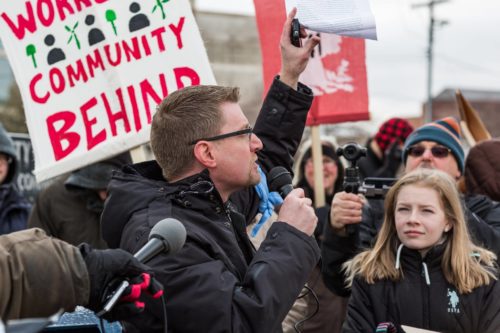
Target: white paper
x=351, y=18
x=410, y=329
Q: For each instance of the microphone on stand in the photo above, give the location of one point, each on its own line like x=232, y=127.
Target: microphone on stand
x=167, y=236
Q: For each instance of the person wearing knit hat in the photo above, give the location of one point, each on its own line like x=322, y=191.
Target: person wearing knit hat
x=14, y=208
x=436, y=145
x=383, y=155
x=333, y=172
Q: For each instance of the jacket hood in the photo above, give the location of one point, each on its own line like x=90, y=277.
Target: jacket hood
x=139, y=187
x=481, y=205
x=7, y=148
x=130, y=190
x=481, y=169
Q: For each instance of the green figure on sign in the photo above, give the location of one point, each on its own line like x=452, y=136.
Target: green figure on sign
x=30, y=52
x=73, y=34
x=111, y=18
x=159, y=4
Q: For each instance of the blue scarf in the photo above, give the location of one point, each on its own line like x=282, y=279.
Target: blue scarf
x=268, y=200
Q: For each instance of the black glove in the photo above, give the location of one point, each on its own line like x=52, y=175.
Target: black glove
x=392, y=160
x=107, y=268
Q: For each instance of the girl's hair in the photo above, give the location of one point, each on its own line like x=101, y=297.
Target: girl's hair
x=464, y=265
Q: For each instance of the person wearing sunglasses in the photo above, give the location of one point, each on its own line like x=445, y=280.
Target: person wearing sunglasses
x=435, y=145
x=207, y=163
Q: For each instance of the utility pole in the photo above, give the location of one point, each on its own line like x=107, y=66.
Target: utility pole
x=430, y=51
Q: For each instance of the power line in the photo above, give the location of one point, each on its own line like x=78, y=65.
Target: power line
x=432, y=23
x=468, y=65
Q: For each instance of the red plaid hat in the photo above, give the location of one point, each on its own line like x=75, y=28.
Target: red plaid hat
x=392, y=130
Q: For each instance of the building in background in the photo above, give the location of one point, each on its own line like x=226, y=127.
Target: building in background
x=6, y=76
x=486, y=103
x=232, y=44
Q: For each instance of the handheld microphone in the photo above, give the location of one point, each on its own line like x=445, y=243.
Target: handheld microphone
x=168, y=236
x=279, y=179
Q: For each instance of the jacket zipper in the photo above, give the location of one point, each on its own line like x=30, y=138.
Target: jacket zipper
x=426, y=298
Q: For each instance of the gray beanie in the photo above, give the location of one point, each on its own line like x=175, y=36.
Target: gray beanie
x=7, y=148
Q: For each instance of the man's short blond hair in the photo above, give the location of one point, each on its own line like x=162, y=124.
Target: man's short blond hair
x=182, y=117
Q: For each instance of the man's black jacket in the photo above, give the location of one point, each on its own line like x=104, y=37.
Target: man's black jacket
x=217, y=282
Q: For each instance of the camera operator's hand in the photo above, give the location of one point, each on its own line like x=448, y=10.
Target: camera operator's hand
x=106, y=269
x=297, y=211
x=346, y=209
x=294, y=59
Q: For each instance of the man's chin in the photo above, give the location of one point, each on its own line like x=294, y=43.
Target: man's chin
x=254, y=179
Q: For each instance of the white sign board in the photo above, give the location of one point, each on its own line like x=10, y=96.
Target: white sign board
x=91, y=72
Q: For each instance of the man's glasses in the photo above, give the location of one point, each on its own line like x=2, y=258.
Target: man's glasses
x=248, y=131
x=437, y=151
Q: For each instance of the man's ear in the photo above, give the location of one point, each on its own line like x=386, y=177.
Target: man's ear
x=203, y=153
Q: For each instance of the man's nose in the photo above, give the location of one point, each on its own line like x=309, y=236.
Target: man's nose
x=255, y=143
x=427, y=155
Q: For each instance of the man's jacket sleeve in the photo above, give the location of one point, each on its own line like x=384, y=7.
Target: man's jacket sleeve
x=205, y=295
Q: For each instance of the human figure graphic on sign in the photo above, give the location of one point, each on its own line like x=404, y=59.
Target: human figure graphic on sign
x=321, y=79
x=138, y=21
x=95, y=35
x=73, y=35
x=56, y=54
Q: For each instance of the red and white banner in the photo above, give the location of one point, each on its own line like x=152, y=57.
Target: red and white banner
x=336, y=71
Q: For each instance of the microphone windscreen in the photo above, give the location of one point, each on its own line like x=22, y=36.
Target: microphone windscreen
x=171, y=231
x=277, y=178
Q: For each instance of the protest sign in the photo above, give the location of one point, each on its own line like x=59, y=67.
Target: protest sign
x=336, y=71
x=25, y=179
x=91, y=72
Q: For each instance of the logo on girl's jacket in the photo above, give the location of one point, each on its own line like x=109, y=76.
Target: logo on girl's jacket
x=453, y=301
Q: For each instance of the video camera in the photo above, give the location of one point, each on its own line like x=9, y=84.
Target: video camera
x=372, y=187
x=376, y=188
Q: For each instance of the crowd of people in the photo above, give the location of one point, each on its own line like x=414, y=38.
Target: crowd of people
x=424, y=255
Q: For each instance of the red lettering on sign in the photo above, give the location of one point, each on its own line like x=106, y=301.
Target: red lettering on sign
x=92, y=140
x=148, y=91
x=45, y=13
x=177, y=31
x=120, y=114
x=186, y=72
x=23, y=23
x=46, y=17
x=57, y=136
x=159, y=40
x=34, y=96
x=64, y=5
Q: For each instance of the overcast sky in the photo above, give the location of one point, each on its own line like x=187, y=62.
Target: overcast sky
x=467, y=50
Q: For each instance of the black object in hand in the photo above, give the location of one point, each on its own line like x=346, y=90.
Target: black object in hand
x=279, y=180
x=351, y=152
x=295, y=33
